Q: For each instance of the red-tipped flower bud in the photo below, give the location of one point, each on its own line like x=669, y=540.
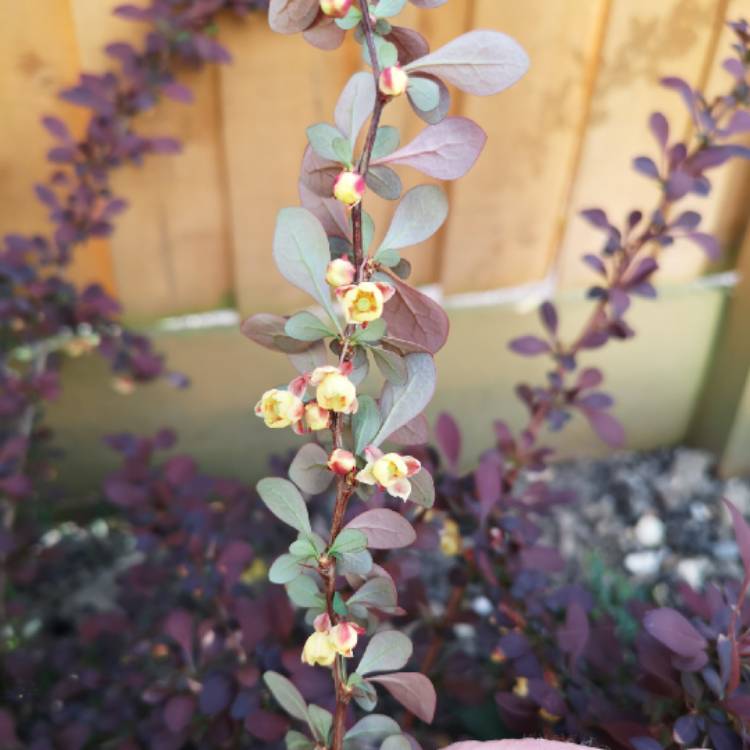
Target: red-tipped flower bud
x=393, y=81
x=342, y=462
x=349, y=188
x=336, y=8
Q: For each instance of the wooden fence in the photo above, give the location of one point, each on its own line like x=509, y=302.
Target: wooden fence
x=199, y=230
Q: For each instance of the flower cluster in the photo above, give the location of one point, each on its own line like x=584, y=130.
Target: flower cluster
x=329, y=641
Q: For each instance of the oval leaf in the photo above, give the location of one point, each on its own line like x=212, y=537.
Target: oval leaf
x=480, y=62
x=384, y=529
x=413, y=691
x=355, y=105
x=418, y=216
x=286, y=695
x=387, y=651
x=673, y=630
x=365, y=423
x=282, y=498
x=309, y=469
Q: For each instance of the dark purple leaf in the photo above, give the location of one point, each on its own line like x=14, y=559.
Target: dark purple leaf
x=706, y=242
x=596, y=263
x=56, y=127
x=179, y=626
x=741, y=534
x=448, y=436
x=646, y=166
x=488, y=484
x=215, y=695
x=548, y=314
x=546, y=559
x=673, y=630
x=679, y=184
x=573, y=636
x=645, y=743
x=596, y=217
x=178, y=712
x=606, y=427
x=529, y=346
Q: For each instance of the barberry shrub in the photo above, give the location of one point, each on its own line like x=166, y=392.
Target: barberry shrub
x=366, y=312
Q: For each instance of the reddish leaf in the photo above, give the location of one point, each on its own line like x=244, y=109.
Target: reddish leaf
x=605, y=426
x=324, y=34
x=414, y=318
x=414, y=432
x=409, y=43
x=529, y=346
x=741, y=534
x=268, y=331
x=412, y=690
x=384, y=529
x=448, y=437
x=674, y=631
x=291, y=16
x=487, y=480
x=446, y=151
x=178, y=712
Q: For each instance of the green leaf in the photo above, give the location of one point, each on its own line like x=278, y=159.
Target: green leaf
x=364, y=694
x=424, y=92
x=387, y=140
x=304, y=326
x=282, y=498
x=309, y=469
x=304, y=592
x=391, y=365
x=386, y=52
x=300, y=249
x=369, y=730
x=355, y=105
x=389, y=257
x=286, y=695
x=379, y=593
x=343, y=151
x=297, y=741
x=387, y=651
x=368, y=230
x=355, y=563
x=303, y=548
x=383, y=181
x=418, y=216
x=374, y=331
x=322, y=138
x=422, y=489
x=396, y=742
x=399, y=404
x=351, y=19
x=388, y=8
x=320, y=722
x=365, y=423
x=348, y=540
x=339, y=605
x=284, y=569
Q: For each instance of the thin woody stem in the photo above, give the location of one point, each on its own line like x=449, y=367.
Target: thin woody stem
x=344, y=488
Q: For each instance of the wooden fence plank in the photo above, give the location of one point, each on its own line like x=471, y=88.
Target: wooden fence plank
x=505, y=213
x=171, y=248
x=644, y=42
x=277, y=86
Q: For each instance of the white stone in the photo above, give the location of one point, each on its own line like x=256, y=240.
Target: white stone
x=693, y=570
x=482, y=606
x=645, y=562
x=649, y=531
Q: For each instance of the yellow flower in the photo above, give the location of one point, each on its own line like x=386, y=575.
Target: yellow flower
x=336, y=8
x=450, y=538
x=344, y=638
x=363, y=303
x=316, y=418
x=340, y=272
x=391, y=471
x=319, y=650
x=335, y=391
x=521, y=688
x=279, y=408
x=349, y=188
x=393, y=81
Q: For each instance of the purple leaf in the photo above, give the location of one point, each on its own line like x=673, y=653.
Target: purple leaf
x=706, y=242
x=591, y=377
x=645, y=743
x=448, y=437
x=412, y=690
x=355, y=105
x=488, y=484
x=215, y=695
x=646, y=166
x=409, y=43
x=740, y=122
x=56, y=127
x=269, y=331
x=179, y=626
x=445, y=151
x=415, y=432
x=529, y=346
x=545, y=559
x=573, y=636
x=415, y=319
x=178, y=712
x=606, y=427
x=659, y=126
x=596, y=217
x=384, y=529
x=741, y=534
x=673, y=630
x=479, y=62
x=679, y=184
x=595, y=262
x=548, y=314
x=324, y=34
x=178, y=92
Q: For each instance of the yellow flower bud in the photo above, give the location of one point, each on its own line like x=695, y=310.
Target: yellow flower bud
x=342, y=462
x=336, y=8
x=279, y=408
x=349, y=188
x=316, y=418
x=450, y=538
x=393, y=81
x=341, y=272
x=319, y=650
x=335, y=391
